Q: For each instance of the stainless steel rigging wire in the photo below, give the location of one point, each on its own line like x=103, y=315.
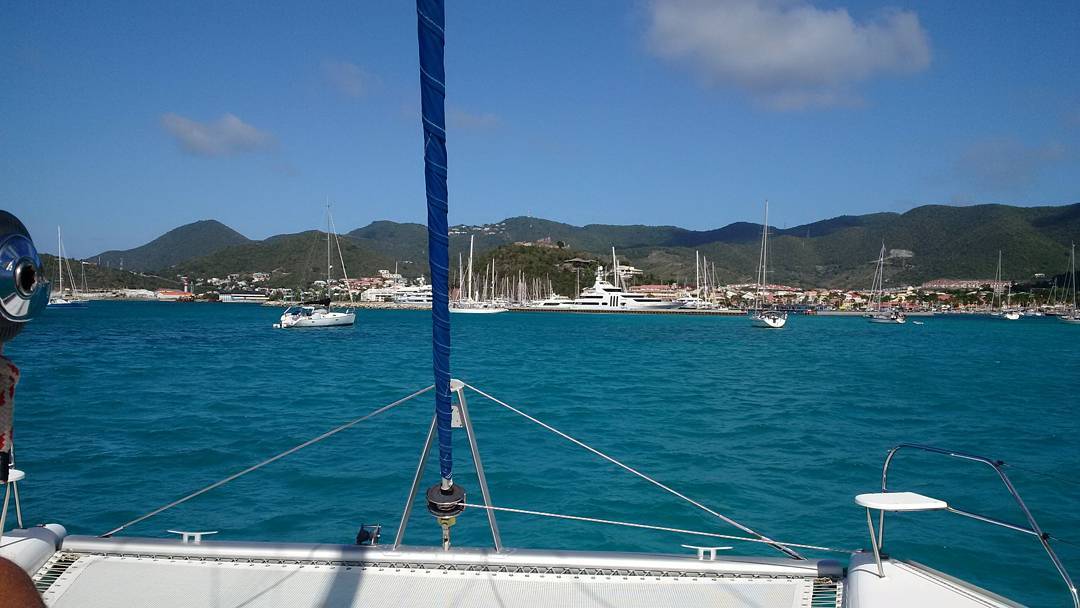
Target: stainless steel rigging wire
x=779, y=547
x=262, y=464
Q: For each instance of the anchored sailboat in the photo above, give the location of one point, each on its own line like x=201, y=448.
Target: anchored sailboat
x=1002, y=307
x=58, y=299
x=877, y=313
x=319, y=313
x=772, y=319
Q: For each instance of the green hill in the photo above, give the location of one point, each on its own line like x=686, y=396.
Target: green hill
x=177, y=245
x=292, y=259
x=943, y=242
x=929, y=242
x=98, y=277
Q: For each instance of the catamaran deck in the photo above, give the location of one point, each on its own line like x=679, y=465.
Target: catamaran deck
x=91, y=572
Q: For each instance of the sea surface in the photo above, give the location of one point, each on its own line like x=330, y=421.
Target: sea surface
x=124, y=407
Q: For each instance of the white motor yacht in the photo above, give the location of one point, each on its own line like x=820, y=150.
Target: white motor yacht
x=603, y=295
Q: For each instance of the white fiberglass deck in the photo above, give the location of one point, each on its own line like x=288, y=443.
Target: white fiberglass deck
x=142, y=572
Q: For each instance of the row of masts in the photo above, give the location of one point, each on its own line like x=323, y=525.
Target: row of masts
x=490, y=287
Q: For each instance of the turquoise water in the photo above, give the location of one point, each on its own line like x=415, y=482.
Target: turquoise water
x=126, y=406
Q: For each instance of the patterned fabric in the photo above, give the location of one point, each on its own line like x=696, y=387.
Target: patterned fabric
x=9, y=377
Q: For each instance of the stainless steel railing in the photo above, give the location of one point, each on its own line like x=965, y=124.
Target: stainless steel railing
x=1031, y=528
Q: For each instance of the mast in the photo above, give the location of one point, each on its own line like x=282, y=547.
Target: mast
x=471, y=236
x=461, y=276
x=762, y=258
x=765, y=249
x=878, y=287
x=329, y=266
x=341, y=258
x=1072, y=275
x=997, y=283
x=431, y=41
x=697, y=274
x=60, y=261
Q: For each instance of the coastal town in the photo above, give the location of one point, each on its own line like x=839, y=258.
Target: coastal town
x=390, y=289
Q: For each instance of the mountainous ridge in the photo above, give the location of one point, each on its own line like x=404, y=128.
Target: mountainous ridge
x=945, y=241
x=182, y=243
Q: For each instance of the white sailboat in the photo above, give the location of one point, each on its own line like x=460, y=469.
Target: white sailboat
x=877, y=290
x=318, y=313
x=1009, y=313
x=1071, y=314
x=1002, y=307
x=769, y=319
x=58, y=299
x=470, y=304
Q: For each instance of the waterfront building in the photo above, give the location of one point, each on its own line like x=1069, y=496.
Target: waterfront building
x=243, y=297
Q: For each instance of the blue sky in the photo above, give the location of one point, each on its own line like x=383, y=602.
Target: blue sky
x=123, y=120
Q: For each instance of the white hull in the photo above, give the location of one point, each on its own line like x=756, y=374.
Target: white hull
x=888, y=319
x=1011, y=316
x=328, y=319
x=477, y=311
x=66, y=303
x=768, y=321
x=1074, y=320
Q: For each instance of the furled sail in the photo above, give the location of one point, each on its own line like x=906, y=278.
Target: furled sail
x=430, y=24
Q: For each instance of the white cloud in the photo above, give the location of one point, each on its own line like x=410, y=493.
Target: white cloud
x=460, y=119
x=787, y=53
x=348, y=78
x=225, y=136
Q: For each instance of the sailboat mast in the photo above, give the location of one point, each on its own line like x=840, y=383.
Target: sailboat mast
x=60, y=260
x=697, y=273
x=460, y=276
x=765, y=250
x=471, y=237
x=1072, y=271
x=329, y=266
x=878, y=288
x=761, y=258
x=997, y=282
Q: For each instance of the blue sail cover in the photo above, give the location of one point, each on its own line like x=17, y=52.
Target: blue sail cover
x=431, y=35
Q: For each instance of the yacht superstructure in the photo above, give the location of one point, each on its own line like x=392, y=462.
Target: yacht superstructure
x=606, y=295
